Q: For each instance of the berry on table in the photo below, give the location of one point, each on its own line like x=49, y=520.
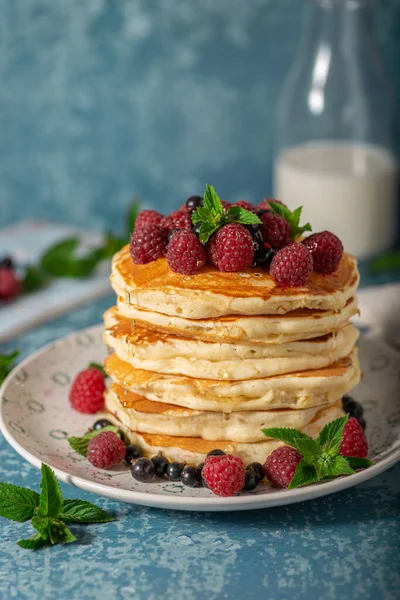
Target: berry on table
x=251, y=480
x=354, y=442
x=148, y=217
x=185, y=253
x=176, y=220
x=10, y=285
x=281, y=465
x=100, y=424
x=193, y=202
x=326, y=250
x=216, y=452
x=191, y=477
x=246, y=205
x=133, y=452
x=257, y=468
x=105, y=450
x=292, y=265
x=143, y=470
x=148, y=243
x=275, y=230
x=174, y=471
x=160, y=463
x=231, y=248
x=87, y=391
x=224, y=475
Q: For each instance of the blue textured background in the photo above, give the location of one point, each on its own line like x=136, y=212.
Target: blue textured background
x=102, y=99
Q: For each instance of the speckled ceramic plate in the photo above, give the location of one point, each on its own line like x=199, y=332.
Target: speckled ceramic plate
x=36, y=419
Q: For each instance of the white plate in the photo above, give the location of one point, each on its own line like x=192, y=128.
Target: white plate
x=36, y=418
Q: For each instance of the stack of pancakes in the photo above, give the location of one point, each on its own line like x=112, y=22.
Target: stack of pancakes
x=208, y=360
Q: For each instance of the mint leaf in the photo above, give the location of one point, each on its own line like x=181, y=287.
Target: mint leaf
x=32, y=543
x=206, y=231
x=80, y=511
x=7, y=363
x=390, y=261
x=41, y=524
x=50, y=494
x=17, y=503
x=309, y=449
x=331, y=435
x=212, y=203
x=34, y=279
x=61, y=260
x=59, y=532
x=98, y=366
x=131, y=216
x=339, y=466
x=237, y=214
x=304, y=475
x=80, y=444
x=292, y=218
x=359, y=463
x=287, y=435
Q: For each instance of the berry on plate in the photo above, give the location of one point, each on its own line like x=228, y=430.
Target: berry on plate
x=281, y=465
x=326, y=250
x=246, y=205
x=275, y=230
x=105, y=450
x=292, y=265
x=143, y=470
x=354, y=442
x=148, y=243
x=176, y=220
x=185, y=253
x=224, y=475
x=10, y=285
x=231, y=248
x=87, y=391
x=148, y=217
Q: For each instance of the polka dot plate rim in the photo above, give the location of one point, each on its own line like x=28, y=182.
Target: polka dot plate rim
x=36, y=419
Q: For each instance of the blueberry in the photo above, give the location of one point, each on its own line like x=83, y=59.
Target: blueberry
x=257, y=468
x=171, y=233
x=174, y=471
x=264, y=256
x=352, y=407
x=143, y=470
x=132, y=453
x=7, y=262
x=193, y=202
x=190, y=476
x=100, y=424
x=196, y=228
x=250, y=480
x=255, y=229
x=160, y=463
x=216, y=452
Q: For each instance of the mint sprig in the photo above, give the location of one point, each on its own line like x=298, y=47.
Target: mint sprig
x=80, y=444
x=48, y=511
x=7, y=363
x=211, y=215
x=320, y=458
x=292, y=218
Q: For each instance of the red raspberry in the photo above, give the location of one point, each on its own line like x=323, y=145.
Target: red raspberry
x=148, y=243
x=185, y=254
x=87, y=391
x=326, y=250
x=224, y=475
x=148, y=217
x=292, y=266
x=281, y=465
x=247, y=205
x=226, y=204
x=10, y=285
x=275, y=230
x=354, y=442
x=176, y=220
x=105, y=450
x=231, y=248
x=264, y=204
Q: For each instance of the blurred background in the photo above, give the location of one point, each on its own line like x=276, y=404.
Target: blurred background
x=101, y=101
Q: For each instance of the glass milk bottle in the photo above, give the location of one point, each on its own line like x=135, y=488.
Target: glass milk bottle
x=335, y=129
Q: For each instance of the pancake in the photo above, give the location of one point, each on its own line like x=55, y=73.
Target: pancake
x=146, y=349
x=296, y=390
x=194, y=449
x=210, y=293
x=142, y=415
x=299, y=324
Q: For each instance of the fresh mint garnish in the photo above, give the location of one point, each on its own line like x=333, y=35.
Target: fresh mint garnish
x=7, y=363
x=320, y=457
x=211, y=215
x=80, y=444
x=48, y=511
x=389, y=261
x=292, y=218
x=99, y=367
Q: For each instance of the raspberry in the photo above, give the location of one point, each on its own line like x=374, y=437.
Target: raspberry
x=148, y=217
x=231, y=248
x=281, y=465
x=185, y=254
x=176, y=220
x=275, y=230
x=87, y=391
x=226, y=204
x=105, y=450
x=292, y=265
x=247, y=205
x=10, y=285
x=148, y=243
x=224, y=475
x=326, y=250
x=354, y=442
x=264, y=204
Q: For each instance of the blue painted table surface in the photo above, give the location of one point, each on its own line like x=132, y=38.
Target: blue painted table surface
x=342, y=546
